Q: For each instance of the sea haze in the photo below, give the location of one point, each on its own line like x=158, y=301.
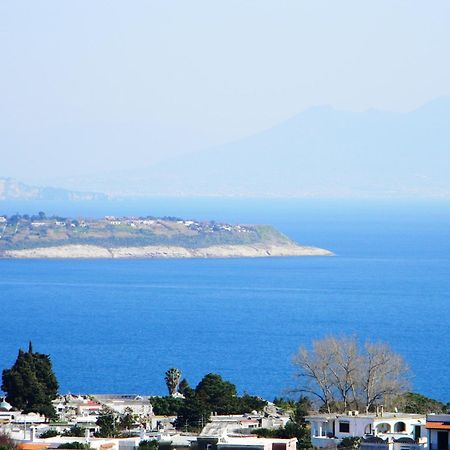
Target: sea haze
x=117, y=325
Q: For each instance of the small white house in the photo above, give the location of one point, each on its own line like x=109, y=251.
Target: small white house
x=328, y=430
x=438, y=427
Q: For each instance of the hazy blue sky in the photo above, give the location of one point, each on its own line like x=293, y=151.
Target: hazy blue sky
x=102, y=85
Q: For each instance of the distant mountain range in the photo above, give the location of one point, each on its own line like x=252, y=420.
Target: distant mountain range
x=11, y=189
x=322, y=152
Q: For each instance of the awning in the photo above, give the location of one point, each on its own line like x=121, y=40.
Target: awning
x=438, y=426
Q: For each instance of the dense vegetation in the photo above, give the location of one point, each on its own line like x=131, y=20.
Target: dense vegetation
x=49, y=433
x=148, y=445
x=112, y=424
x=30, y=383
x=166, y=406
x=74, y=445
x=413, y=403
x=213, y=394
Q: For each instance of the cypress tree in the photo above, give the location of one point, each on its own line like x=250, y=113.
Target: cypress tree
x=30, y=383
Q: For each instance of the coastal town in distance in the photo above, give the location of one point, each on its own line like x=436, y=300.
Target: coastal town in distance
x=337, y=376
x=39, y=236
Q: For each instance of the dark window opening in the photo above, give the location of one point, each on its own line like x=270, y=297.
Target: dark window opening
x=344, y=427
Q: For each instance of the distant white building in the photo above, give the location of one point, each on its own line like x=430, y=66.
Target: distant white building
x=254, y=443
x=137, y=404
x=3, y=219
x=379, y=431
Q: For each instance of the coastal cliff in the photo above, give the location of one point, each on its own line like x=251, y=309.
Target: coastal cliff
x=215, y=251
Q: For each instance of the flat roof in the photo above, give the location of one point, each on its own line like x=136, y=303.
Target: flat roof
x=255, y=440
x=384, y=416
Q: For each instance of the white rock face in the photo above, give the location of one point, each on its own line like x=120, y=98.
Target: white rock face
x=216, y=251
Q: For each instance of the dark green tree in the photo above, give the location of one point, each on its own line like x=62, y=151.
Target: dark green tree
x=183, y=386
x=48, y=434
x=248, y=403
x=166, y=406
x=148, y=445
x=213, y=394
x=193, y=414
x=301, y=409
x=217, y=394
x=75, y=431
x=30, y=383
x=107, y=422
x=74, y=445
x=127, y=420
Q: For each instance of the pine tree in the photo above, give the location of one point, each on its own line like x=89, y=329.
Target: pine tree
x=183, y=387
x=30, y=383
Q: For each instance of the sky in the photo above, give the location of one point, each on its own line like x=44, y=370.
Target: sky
x=93, y=86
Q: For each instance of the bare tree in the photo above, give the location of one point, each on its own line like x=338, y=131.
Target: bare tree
x=384, y=374
x=339, y=374
x=344, y=370
x=314, y=372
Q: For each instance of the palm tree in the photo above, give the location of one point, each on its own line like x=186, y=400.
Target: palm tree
x=172, y=379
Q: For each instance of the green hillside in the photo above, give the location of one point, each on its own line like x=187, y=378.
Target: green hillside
x=25, y=232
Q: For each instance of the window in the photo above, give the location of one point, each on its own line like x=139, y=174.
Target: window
x=344, y=427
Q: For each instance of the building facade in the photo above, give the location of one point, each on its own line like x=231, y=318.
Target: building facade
x=328, y=430
x=438, y=427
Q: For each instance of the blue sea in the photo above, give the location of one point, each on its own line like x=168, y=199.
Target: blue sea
x=115, y=326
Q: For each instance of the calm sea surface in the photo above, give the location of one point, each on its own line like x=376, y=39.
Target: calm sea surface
x=116, y=326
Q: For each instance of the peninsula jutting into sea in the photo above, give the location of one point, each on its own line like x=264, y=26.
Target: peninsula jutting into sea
x=39, y=236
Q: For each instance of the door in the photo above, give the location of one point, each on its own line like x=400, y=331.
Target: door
x=417, y=432
x=442, y=440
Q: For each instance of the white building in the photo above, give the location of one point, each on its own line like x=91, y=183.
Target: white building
x=254, y=443
x=137, y=404
x=438, y=426
x=328, y=430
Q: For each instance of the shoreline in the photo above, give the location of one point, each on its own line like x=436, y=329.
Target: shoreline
x=163, y=252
